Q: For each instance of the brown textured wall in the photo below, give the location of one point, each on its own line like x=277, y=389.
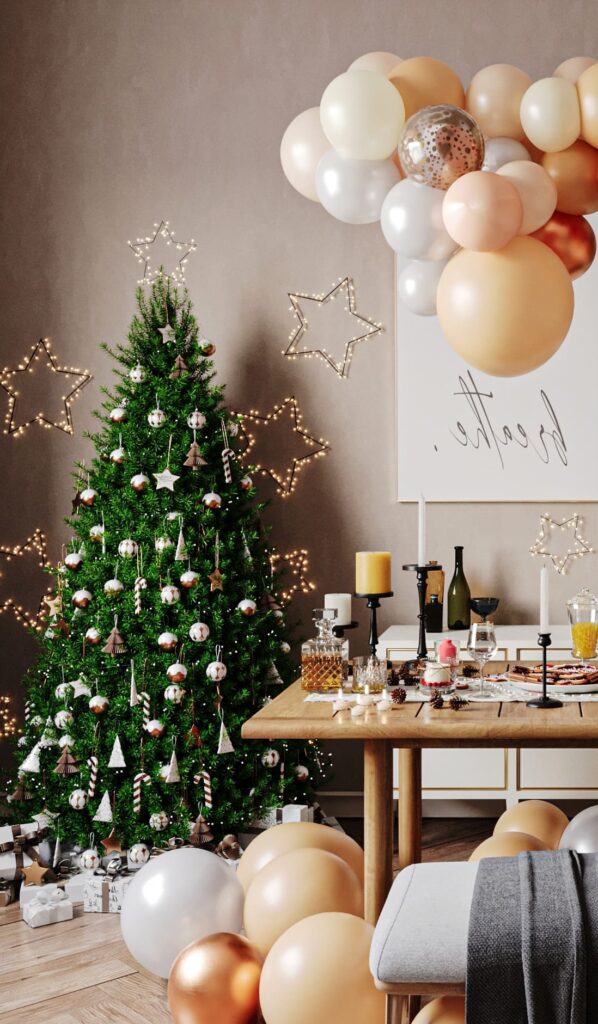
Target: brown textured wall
x=115, y=113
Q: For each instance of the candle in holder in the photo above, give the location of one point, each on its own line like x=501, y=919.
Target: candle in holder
x=357, y=711
x=421, y=531
x=365, y=698
x=342, y=603
x=372, y=572
x=384, y=704
x=341, y=703
x=544, y=600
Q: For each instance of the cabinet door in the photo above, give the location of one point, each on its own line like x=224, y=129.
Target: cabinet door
x=458, y=770
x=557, y=769
x=535, y=654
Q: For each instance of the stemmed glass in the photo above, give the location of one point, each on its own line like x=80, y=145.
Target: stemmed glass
x=481, y=645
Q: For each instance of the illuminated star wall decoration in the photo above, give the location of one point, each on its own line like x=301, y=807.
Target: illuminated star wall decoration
x=40, y=360
x=292, y=569
x=147, y=255
x=36, y=547
x=560, y=560
x=284, y=419
x=364, y=327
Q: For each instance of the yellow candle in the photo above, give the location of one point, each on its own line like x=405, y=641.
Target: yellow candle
x=372, y=572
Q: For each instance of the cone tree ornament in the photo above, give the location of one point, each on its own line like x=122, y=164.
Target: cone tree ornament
x=104, y=811
x=117, y=758
x=115, y=643
x=67, y=763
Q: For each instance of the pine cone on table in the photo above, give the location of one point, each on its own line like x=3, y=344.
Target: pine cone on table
x=399, y=696
x=457, y=703
x=436, y=701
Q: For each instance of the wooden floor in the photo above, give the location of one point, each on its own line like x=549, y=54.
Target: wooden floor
x=79, y=971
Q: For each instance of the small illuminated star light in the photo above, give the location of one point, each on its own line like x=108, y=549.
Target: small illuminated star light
x=36, y=546
x=41, y=358
x=367, y=328
x=543, y=543
x=288, y=413
x=144, y=253
x=293, y=565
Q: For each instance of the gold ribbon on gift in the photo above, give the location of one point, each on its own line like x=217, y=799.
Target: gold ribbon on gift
x=21, y=840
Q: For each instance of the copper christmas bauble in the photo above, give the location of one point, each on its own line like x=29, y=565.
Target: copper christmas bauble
x=155, y=727
x=216, y=980
x=93, y=635
x=96, y=533
x=117, y=456
x=246, y=483
x=212, y=500
x=247, y=607
x=73, y=560
x=189, y=579
x=118, y=414
x=176, y=672
x=206, y=347
x=167, y=641
x=139, y=482
x=81, y=598
x=113, y=587
x=88, y=496
x=98, y=704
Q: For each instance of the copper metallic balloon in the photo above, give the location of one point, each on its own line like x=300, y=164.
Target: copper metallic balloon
x=536, y=818
x=507, y=844
x=216, y=981
x=439, y=144
x=572, y=239
x=575, y=174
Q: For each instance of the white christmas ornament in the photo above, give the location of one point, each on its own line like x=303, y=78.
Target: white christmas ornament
x=78, y=799
x=176, y=672
x=96, y=533
x=63, y=690
x=113, y=587
x=137, y=374
x=138, y=855
x=89, y=860
x=170, y=594
x=162, y=544
x=285, y=647
x=196, y=420
x=62, y=719
x=73, y=560
x=270, y=758
x=301, y=773
x=80, y=687
x=118, y=414
x=81, y=598
x=93, y=635
x=31, y=762
x=98, y=704
x=247, y=607
x=173, y=774
x=166, y=480
x=167, y=641
x=88, y=496
x=139, y=482
x=117, y=758
x=66, y=741
x=224, y=741
x=117, y=455
x=159, y=821
x=168, y=334
x=128, y=548
x=212, y=500
x=246, y=483
x=189, y=579
x=156, y=418
x=104, y=811
x=199, y=632
x=174, y=693
x=216, y=671
x=155, y=727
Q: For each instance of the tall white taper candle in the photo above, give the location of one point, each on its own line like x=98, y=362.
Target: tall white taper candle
x=421, y=531
x=544, y=600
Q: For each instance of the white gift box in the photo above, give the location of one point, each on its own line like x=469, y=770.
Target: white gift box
x=47, y=908
x=104, y=894
x=74, y=887
x=297, y=812
x=31, y=892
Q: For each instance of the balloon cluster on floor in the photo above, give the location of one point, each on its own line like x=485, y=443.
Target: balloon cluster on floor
x=298, y=894
x=483, y=192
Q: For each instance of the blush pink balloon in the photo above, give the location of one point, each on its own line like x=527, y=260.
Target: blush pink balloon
x=482, y=211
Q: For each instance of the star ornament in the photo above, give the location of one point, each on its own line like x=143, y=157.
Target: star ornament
x=112, y=843
x=31, y=389
x=34, y=874
x=215, y=579
x=165, y=480
x=147, y=249
x=361, y=327
x=544, y=541
x=285, y=419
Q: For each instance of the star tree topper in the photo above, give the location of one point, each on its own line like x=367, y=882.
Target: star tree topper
x=285, y=419
x=147, y=249
x=17, y=383
x=299, y=304
x=572, y=525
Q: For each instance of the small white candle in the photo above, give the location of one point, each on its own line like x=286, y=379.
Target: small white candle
x=364, y=699
x=342, y=603
x=544, y=600
x=421, y=531
x=384, y=704
x=357, y=710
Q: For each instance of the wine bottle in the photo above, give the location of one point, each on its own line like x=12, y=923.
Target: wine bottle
x=459, y=612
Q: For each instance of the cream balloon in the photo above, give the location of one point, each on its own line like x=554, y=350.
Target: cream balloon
x=303, y=146
x=354, y=190
x=494, y=100
x=418, y=284
x=499, y=152
x=587, y=90
x=536, y=190
x=362, y=115
x=506, y=313
x=535, y=817
x=550, y=114
x=507, y=844
x=378, y=60
x=318, y=971
x=572, y=68
x=482, y=211
x=411, y=221
x=294, y=836
x=446, y=1010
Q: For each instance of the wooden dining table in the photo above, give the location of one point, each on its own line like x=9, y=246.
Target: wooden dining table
x=411, y=727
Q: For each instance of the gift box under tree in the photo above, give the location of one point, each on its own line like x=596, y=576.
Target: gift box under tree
x=104, y=894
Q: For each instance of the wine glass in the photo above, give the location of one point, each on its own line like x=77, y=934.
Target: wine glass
x=481, y=645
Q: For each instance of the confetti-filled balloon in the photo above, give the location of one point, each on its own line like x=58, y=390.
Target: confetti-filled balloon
x=439, y=144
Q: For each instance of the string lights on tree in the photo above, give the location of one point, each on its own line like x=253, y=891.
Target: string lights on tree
x=10, y=381
x=145, y=254
x=299, y=302
x=35, y=545
x=283, y=418
x=560, y=560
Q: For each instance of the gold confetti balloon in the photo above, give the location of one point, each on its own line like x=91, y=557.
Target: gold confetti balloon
x=439, y=144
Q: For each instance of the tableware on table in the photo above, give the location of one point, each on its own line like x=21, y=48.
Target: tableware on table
x=375, y=675
x=567, y=678
x=436, y=678
x=322, y=657
x=484, y=606
x=583, y=619
x=459, y=612
x=482, y=646
x=359, y=663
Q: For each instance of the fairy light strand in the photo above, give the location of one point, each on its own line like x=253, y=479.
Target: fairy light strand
x=294, y=564
x=35, y=543
x=542, y=543
x=28, y=365
x=143, y=251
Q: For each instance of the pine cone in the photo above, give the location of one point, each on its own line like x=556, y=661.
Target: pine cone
x=457, y=703
x=436, y=701
x=399, y=696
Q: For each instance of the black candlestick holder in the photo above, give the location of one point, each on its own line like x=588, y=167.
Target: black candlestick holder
x=421, y=572
x=544, y=641
x=340, y=630
x=373, y=603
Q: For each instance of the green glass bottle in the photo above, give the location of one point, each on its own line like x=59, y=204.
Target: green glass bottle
x=459, y=612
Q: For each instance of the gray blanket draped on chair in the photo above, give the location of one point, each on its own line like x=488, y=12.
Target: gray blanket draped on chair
x=533, y=940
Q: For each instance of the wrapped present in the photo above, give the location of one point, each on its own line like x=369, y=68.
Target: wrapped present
x=19, y=848
x=104, y=894
x=74, y=887
x=31, y=892
x=47, y=908
x=297, y=812
x=8, y=892
x=271, y=816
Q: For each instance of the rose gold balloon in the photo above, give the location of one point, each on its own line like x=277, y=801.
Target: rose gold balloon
x=572, y=239
x=439, y=145
x=293, y=836
x=494, y=99
x=446, y=1010
x=573, y=68
x=507, y=844
x=216, y=981
x=482, y=211
x=426, y=82
x=536, y=818
x=575, y=174
x=587, y=90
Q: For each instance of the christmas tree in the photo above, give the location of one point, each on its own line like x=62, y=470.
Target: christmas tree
x=166, y=632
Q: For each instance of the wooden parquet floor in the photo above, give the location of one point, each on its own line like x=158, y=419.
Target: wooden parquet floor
x=79, y=971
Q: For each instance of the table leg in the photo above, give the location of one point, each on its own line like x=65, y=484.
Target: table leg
x=410, y=806
x=377, y=823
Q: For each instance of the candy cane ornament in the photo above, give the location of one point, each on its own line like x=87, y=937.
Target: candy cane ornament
x=144, y=698
x=227, y=454
x=93, y=776
x=205, y=778
x=141, y=777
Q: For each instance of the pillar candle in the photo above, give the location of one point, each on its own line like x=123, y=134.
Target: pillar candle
x=421, y=531
x=544, y=600
x=342, y=603
x=372, y=572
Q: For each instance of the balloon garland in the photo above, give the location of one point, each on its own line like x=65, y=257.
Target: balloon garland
x=483, y=192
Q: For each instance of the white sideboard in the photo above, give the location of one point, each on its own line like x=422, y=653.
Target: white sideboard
x=509, y=775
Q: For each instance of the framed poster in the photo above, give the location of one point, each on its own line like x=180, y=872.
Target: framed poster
x=465, y=436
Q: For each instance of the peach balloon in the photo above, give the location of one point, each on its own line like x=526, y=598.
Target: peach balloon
x=507, y=844
x=587, y=90
x=378, y=60
x=215, y=981
x=506, y=312
x=534, y=817
x=575, y=174
x=572, y=68
x=426, y=82
x=550, y=114
x=294, y=836
x=303, y=146
x=446, y=1010
x=318, y=971
x=536, y=190
x=482, y=211
x=494, y=100
x=297, y=885
x=572, y=239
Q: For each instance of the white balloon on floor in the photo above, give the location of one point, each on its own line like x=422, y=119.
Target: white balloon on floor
x=175, y=899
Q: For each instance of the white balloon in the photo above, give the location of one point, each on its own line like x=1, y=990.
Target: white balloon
x=412, y=222
x=176, y=898
x=418, y=284
x=378, y=60
x=353, y=190
x=500, y=151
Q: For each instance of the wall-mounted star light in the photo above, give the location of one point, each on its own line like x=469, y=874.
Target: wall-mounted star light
x=543, y=544
x=35, y=546
x=293, y=567
x=147, y=255
x=39, y=360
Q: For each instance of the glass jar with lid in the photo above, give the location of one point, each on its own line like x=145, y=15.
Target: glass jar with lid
x=322, y=657
x=583, y=619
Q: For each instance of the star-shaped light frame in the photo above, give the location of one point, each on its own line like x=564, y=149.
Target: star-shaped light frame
x=368, y=328
x=295, y=565
x=37, y=545
x=143, y=252
x=541, y=546
x=287, y=481
x=28, y=364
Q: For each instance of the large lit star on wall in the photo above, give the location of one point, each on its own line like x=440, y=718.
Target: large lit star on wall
x=292, y=568
x=571, y=525
x=148, y=250
x=283, y=423
x=361, y=327
x=31, y=389
x=34, y=548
